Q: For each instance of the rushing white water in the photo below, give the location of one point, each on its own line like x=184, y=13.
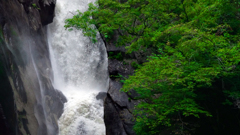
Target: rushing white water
x=80, y=72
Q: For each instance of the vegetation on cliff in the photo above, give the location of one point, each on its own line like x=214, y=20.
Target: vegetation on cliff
x=193, y=73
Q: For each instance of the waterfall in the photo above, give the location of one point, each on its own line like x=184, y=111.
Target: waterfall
x=80, y=72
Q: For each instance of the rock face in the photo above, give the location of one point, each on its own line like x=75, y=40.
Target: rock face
x=118, y=109
x=25, y=56
x=118, y=106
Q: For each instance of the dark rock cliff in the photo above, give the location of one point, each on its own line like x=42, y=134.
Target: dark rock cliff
x=25, y=57
x=118, y=106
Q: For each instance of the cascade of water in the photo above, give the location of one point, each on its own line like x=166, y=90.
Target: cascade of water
x=80, y=72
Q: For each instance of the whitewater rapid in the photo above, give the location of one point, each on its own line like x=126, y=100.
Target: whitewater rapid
x=79, y=71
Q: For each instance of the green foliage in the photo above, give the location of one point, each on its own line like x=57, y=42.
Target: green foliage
x=135, y=65
x=113, y=55
x=84, y=22
x=196, y=43
x=116, y=76
x=35, y=6
x=120, y=77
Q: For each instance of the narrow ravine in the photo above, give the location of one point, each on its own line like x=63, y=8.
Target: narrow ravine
x=80, y=72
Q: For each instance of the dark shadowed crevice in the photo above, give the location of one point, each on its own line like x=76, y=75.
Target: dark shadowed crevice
x=23, y=121
x=46, y=12
x=8, y=124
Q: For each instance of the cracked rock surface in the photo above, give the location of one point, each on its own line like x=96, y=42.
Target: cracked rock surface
x=25, y=56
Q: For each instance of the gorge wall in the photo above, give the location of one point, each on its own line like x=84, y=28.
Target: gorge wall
x=118, y=106
x=25, y=58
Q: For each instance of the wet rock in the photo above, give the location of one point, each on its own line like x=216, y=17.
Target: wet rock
x=118, y=108
x=46, y=8
x=116, y=67
x=101, y=95
x=112, y=120
x=55, y=102
x=118, y=97
x=25, y=56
